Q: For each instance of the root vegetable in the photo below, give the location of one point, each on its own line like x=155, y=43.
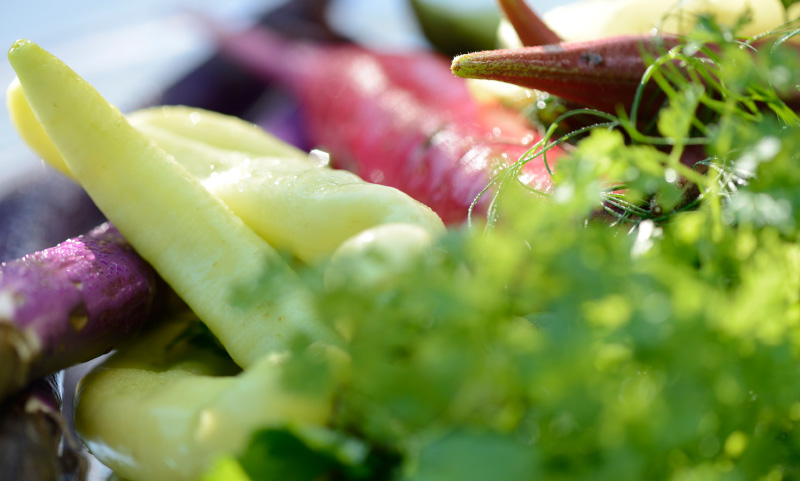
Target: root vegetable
x=602, y=74
x=69, y=304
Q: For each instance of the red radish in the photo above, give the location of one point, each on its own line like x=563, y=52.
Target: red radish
x=68, y=304
x=400, y=120
x=530, y=29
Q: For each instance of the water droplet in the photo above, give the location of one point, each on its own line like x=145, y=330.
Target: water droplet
x=319, y=158
x=376, y=176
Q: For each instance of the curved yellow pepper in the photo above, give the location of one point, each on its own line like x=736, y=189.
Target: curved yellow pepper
x=165, y=409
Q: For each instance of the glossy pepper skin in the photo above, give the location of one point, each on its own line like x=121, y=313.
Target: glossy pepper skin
x=256, y=175
x=399, y=120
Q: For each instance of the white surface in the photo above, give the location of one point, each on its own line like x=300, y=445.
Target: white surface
x=129, y=50
x=388, y=25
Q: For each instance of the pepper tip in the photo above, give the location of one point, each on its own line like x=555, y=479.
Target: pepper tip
x=19, y=44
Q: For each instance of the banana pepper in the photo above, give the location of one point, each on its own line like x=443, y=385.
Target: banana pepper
x=167, y=406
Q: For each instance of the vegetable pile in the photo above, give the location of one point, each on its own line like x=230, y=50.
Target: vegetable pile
x=638, y=319
x=401, y=120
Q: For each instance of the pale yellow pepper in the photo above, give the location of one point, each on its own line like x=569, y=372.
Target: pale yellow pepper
x=165, y=408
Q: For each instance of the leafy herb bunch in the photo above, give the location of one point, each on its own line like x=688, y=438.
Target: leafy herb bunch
x=659, y=340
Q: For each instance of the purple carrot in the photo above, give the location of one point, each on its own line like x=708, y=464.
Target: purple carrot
x=35, y=441
x=69, y=304
x=603, y=74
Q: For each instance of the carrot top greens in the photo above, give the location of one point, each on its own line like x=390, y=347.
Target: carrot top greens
x=664, y=345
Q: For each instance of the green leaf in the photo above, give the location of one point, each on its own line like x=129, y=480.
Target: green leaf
x=455, y=29
x=305, y=453
x=789, y=3
x=279, y=454
x=226, y=469
x=585, y=336
x=474, y=456
x=675, y=121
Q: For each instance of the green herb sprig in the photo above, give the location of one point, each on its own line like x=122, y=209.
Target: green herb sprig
x=713, y=82
x=662, y=343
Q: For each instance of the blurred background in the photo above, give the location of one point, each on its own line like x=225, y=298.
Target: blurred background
x=131, y=51
x=128, y=50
